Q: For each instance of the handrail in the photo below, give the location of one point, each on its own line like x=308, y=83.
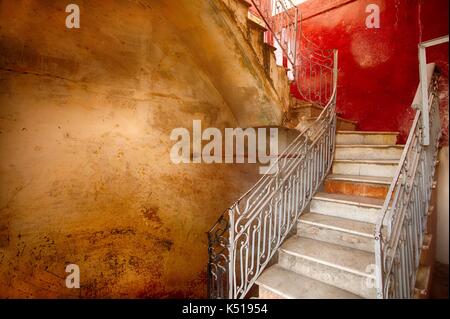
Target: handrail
x=407, y=148
x=400, y=230
x=247, y=235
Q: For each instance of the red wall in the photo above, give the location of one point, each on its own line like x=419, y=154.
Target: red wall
x=378, y=68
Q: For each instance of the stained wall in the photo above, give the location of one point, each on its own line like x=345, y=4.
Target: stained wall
x=85, y=174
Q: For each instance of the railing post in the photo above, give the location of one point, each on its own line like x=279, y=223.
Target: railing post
x=231, y=266
x=424, y=85
x=378, y=266
x=335, y=67
x=424, y=94
x=406, y=204
x=296, y=39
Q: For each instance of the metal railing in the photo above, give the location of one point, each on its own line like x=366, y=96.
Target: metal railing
x=282, y=21
x=400, y=232
x=314, y=72
x=248, y=234
x=423, y=83
x=311, y=66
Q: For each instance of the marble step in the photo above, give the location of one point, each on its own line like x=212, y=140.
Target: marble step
x=376, y=168
x=342, y=267
x=358, y=208
x=359, y=185
x=279, y=283
x=366, y=138
x=335, y=230
x=369, y=152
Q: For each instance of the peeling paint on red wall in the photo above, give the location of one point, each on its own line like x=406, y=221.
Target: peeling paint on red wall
x=378, y=68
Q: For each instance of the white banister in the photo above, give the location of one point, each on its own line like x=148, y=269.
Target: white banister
x=423, y=84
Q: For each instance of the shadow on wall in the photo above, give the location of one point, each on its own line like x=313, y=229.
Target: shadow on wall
x=85, y=172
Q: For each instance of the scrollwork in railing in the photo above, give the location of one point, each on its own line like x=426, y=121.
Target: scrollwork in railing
x=314, y=72
x=310, y=66
x=400, y=231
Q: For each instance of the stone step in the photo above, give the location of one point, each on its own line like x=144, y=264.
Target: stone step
x=367, y=138
x=363, y=209
x=279, y=283
x=369, y=152
x=342, y=124
x=239, y=9
x=335, y=230
x=376, y=168
x=342, y=267
x=306, y=109
x=257, y=22
x=359, y=185
x=346, y=125
x=256, y=39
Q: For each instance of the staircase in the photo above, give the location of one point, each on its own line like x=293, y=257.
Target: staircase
x=332, y=253
x=345, y=213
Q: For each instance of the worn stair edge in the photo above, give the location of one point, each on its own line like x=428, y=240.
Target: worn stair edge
x=255, y=24
x=348, y=226
x=367, y=133
x=350, y=200
x=351, y=260
x=397, y=146
x=337, y=230
x=360, y=179
x=391, y=152
x=368, y=161
x=287, y=284
x=360, y=185
x=343, y=267
x=348, y=207
x=313, y=118
x=303, y=105
x=364, y=168
x=366, y=138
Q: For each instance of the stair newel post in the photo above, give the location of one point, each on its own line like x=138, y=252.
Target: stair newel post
x=378, y=265
x=209, y=288
x=335, y=77
x=296, y=39
x=231, y=256
x=333, y=127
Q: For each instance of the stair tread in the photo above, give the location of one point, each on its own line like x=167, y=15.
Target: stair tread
x=310, y=118
x=337, y=223
x=360, y=179
x=254, y=22
x=367, y=133
x=350, y=199
x=290, y=285
x=301, y=105
x=349, y=259
x=370, y=146
x=368, y=161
